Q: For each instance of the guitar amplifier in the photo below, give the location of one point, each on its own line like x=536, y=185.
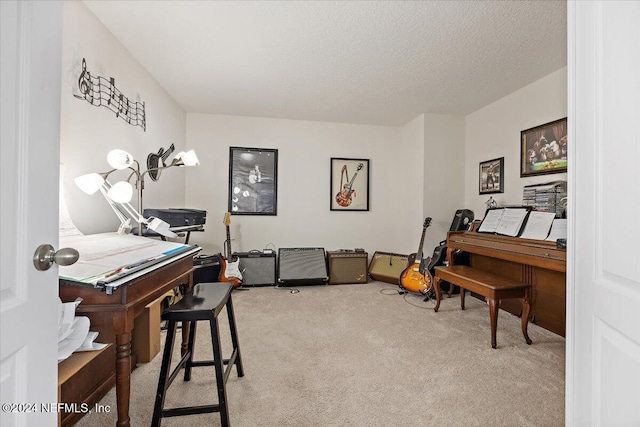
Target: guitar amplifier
x=302, y=266
x=347, y=267
x=258, y=268
x=387, y=266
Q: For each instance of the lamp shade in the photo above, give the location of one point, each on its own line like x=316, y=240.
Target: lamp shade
x=89, y=183
x=119, y=159
x=121, y=192
x=186, y=159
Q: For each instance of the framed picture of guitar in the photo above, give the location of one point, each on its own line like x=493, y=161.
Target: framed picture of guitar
x=253, y=181
x=349, y=184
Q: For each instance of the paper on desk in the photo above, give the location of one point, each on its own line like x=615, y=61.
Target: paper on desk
x=79, y=331
x=73, y=331
x=538, y=225
x=89, y=343
x=66, y=315
x=103, y=253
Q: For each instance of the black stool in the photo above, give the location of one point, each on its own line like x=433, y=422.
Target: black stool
x=205, y=302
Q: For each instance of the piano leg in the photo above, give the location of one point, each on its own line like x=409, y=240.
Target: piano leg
x=526, y=309
x=494, y=306
x=462, y=290
x=436, y=286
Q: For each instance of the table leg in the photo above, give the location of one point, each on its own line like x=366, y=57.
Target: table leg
x=494, y=306
x=462, y=290
x=123, y=377
x=436, y=286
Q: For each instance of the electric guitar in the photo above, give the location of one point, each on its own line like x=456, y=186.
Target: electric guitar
x=343, y=198
x=229, y=267
x=154, y=161
x=416, y=277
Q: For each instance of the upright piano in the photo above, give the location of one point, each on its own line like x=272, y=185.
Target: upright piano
x=536, y=262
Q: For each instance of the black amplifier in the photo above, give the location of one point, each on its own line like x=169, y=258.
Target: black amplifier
x=257, y=268
x=177, y=217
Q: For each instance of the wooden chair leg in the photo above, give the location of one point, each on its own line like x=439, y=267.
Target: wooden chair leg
x=436, y=286
x=494, y=306
x=526, y=312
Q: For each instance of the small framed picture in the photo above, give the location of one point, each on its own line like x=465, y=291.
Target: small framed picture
x=491, y=176
x=543, y=149
x=253, y=181
x=349, y=184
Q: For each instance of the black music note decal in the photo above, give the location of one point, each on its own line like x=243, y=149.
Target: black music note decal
x=120, y=108
x=112, y=90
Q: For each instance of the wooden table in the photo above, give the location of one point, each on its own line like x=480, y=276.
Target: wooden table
x=112, y=315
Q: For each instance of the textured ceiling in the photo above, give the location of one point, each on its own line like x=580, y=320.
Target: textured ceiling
x=369, y=62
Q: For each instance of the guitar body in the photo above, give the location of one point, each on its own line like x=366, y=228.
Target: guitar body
x=415, y=278
x=229, y=267
x=343, y=198
x=230, y=271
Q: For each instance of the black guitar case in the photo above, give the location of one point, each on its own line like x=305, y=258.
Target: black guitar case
x=439, y=257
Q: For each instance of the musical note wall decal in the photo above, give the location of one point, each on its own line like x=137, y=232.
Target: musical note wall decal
x=99, y=91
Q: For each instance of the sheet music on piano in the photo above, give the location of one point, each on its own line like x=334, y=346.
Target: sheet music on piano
x=505, y=221
x=538, y=225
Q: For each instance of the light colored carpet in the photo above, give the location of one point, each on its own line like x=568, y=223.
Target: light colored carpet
x=362, y=355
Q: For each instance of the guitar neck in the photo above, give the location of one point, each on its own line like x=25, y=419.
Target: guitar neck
x=228, y=244
x=419, y=253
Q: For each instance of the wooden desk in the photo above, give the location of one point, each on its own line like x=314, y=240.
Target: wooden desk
x=113, y=316
x=535, y=262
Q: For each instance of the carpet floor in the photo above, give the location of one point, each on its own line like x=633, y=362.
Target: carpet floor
x=363, y=355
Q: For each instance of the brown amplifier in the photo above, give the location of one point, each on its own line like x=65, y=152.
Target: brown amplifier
x=347, y=266
x=387, y=266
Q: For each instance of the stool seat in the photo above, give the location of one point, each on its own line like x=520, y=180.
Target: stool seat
x=205, y=300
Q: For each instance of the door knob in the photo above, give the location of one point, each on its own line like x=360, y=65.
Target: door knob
x=45, y=255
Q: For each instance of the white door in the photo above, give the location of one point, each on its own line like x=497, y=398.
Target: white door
x=30, y=125
x=603, y=293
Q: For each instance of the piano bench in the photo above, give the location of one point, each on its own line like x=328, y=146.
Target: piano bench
x=491, y=286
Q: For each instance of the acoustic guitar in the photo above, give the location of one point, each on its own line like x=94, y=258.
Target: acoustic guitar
x=416, y=277
x=229, y=267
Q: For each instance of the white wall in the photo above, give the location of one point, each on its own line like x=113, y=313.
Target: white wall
x=88, y=133
x=494, y=131
x=304, y=218
x=444, y=147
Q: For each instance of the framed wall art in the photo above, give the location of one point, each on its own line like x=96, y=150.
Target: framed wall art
x=543, y=149
x=253, y=181
x=349, y=184
x=492, y=176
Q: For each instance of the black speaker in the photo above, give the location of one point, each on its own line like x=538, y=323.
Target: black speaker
x=258, y=268
x=302, y=266
x=461, y=220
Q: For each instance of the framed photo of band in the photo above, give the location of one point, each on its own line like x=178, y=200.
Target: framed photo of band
x=349, y=184
x=253, y=181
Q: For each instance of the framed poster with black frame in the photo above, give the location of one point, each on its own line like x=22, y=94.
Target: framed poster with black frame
x=349, y=184
x=492, y=176
x=543, y=149
x=253, y=181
